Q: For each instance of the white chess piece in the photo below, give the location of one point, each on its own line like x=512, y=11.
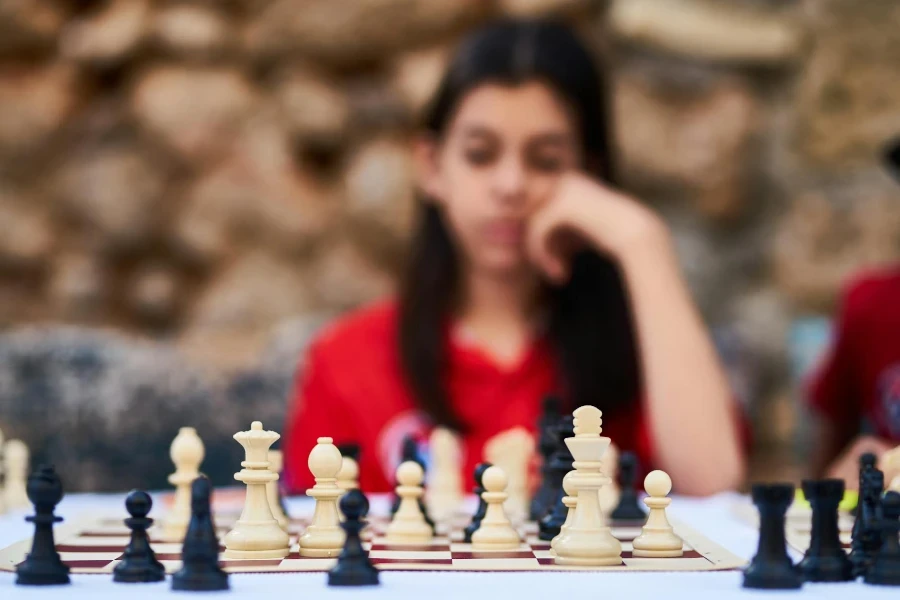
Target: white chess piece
x=348, y=476
x=445, y=483
x=570, y=500
x=588, y=540
x=495, y=532
x=324, y=537
x=657, y=539
x=276, y=465
x=408, y=525
x=513, y=451
x=890, y=464
x=609, y=493
x=187, y=453
x=256, y=534
x=2, y=489
x=16, y=458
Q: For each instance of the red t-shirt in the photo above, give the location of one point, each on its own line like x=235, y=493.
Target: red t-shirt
x=353, y=390
x=859, y=378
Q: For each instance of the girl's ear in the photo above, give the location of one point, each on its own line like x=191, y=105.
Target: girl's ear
x=428, y=174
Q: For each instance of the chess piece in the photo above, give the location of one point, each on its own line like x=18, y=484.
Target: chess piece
x=16, y=459
x=187, y=453
x=496, y=532
x=273, y=492
x=560, y=465
x=353, y=566
x=324, y=538
x=609, y=493
x=482, y=505
x=628, y=508
x=867, y=462
x=866, y=536
x=588, y=540
x=657, y=538
x=139, y=564
x=408, y=525
x=543, y=498
x=771, y=568
x=512, y=451
x=256, y=534
x=444, y=485
x=890, y=464
x=885, y=566
x=200, y=571
x=43, y=565
x=570, y=501
x=825, y=559
x=347, y=477
x=409, y=452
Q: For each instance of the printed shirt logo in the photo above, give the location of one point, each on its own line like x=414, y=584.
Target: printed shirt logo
x=390, y=440
x=889, y=392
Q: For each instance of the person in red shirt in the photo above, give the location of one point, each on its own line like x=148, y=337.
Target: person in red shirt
x=528, y=274
x=855, y=392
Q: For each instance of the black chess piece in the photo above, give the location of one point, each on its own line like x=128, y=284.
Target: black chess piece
x=867, y=462
x=628, y=508
x=200, y=554
x=43, y=566
x=885, y=566
x=560, y=465
x=139, y=564
x=825, y=560
x=545, y=494
x=771, y=568
x=482, y=505
x=353, y=566
x=866, y=535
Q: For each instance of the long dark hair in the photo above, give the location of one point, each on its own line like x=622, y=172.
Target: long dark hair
x=589, y=317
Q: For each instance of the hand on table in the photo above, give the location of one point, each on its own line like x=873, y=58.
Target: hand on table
x=846, y=466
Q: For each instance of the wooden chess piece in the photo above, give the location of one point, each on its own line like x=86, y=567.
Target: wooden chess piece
x=496, y=532
x=187, y=454
x=408, y=525
x=324, y=537
x=657, y=538
x=139, y=563
x=353, y=566
x=200, y=570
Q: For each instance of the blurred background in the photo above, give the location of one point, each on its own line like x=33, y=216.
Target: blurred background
x=189, y=188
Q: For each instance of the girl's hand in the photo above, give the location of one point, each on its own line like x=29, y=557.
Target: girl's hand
x=582, y=211
x=846, y=466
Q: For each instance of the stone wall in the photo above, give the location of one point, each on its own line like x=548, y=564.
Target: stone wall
x=209, y=174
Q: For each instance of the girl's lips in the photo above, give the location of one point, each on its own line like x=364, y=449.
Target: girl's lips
x=505, y=232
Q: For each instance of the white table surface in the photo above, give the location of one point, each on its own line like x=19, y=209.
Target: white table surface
x=714, y=517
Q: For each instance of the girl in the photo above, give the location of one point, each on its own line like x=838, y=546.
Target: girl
x=529, y=274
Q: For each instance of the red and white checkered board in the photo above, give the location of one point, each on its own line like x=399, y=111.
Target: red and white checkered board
x=95, y=545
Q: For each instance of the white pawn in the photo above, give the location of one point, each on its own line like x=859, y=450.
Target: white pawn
x=276, y=465
x=324, y=538
x=445, y=484
x=495, y=531
x=347, y=478
x=187, y=453
x=15, y=458
x=408, y=525
x=657, y=539
x=570, y=500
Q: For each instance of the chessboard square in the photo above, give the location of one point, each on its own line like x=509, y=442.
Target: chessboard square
x=91, y=544
x=422, y=563
x=307, y=564
x=250, y=565
x=411, y=554
x=667, y=564
x=90, y=565
x=167, y=548
x=107, y=531
x=462, y=548
x=170, y=566
x=542, y=554
x=382, y=545
x=493, y=555
x=499, y=564
x=537, y=543
x=105, y=557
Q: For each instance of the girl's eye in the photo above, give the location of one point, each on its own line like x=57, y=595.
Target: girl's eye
x=479, y=156
x=549, y=164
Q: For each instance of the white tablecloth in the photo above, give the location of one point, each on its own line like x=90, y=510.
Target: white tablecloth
x=714, y=517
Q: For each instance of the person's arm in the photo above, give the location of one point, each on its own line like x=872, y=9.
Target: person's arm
x=691, y=410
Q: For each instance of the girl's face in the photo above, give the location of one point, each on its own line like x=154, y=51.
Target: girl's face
x=498, y=161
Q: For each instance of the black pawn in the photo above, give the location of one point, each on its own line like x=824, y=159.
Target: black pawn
x=482, y=505
x=545, y=494
x=560, y=465
x=885, y=567
x=139, y=564
x=866, y=534
x=771, y=568
x=200, y=554
x=825, y=560
x=353, y=566
x=42, y=566
x=628, y=508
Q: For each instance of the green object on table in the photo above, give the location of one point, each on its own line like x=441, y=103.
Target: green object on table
x=848, y=503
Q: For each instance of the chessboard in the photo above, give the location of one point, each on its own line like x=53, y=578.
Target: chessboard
x=94, y=545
